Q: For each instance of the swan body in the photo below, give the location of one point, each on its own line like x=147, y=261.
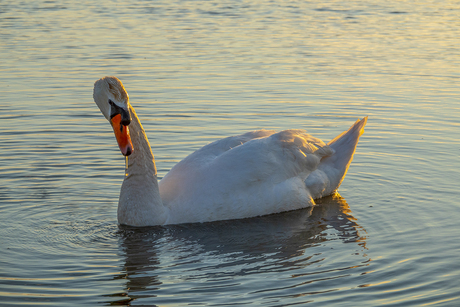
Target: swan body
x=253, y=174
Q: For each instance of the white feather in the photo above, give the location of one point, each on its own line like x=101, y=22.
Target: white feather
x=256, y=173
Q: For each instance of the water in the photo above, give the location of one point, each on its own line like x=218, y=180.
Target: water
x=200, y=70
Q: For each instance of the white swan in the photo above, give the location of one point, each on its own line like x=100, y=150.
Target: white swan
x=256, y=173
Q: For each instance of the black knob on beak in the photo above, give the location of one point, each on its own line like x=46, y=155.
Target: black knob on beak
x=124, y=112
x=125, y=117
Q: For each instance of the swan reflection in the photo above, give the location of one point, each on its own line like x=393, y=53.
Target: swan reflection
x=158, y=257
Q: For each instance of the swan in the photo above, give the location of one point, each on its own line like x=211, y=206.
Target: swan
x=257, y=173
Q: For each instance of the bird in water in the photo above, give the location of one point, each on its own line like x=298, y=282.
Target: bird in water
x=257, y=173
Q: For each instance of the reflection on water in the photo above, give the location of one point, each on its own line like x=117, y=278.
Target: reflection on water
x=201, y=70
x=282, y=246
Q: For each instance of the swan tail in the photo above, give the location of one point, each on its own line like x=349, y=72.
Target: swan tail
x=326, y=179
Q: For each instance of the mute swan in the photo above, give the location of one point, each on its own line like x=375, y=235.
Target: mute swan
x=256, y=173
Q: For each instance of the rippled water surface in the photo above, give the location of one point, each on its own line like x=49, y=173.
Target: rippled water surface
x=200, y=70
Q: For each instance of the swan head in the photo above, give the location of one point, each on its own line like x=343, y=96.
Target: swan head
x=113, y=101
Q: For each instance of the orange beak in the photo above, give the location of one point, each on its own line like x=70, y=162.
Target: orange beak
x=122, y=135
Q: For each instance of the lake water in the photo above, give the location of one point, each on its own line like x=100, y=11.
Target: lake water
x=197, y=71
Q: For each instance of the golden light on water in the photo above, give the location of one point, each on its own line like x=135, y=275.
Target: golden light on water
x=199, y=71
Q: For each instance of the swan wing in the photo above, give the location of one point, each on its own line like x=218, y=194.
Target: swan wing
x=257, y=173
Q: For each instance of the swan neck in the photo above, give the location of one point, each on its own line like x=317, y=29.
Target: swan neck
x=141, y=161
x=140, y=203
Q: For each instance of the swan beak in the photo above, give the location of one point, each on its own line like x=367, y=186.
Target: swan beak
x=122, y=135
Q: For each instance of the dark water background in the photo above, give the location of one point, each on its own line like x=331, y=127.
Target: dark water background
x=200, y=70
